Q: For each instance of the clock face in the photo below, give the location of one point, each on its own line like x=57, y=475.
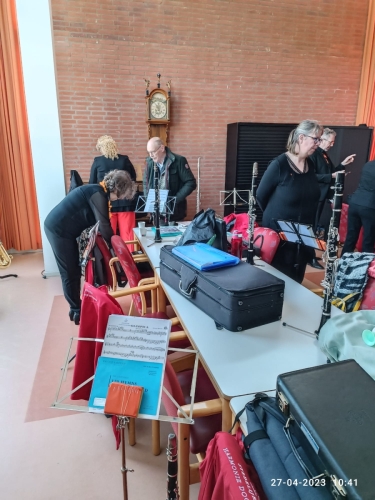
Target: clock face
x=158, y=107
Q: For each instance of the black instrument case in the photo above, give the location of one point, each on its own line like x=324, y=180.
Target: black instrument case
x=333, y=407
x=237, y=298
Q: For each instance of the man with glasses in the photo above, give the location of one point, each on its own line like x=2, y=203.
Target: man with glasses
x=326, y=172
x=175, y=175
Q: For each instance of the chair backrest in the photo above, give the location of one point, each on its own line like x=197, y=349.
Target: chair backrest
x=268, y=241
x=172, y=385
x=127, y=263
x=103, y=247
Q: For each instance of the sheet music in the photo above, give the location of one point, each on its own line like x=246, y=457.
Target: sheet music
x=136, y=338
x=163, y=195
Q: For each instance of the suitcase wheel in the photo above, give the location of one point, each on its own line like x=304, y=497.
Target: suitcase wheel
x=239, y=328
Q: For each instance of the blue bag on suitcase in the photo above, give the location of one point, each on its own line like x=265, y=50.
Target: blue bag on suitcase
x=281, y=474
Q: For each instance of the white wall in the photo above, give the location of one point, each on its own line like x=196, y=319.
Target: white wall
x=35, y=32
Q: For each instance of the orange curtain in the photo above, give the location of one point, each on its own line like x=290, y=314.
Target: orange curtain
x=366, y=99
x=19, y=219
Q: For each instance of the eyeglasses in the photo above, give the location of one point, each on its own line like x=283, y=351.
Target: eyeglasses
x=316, y=140
x=153, y=153
x=331, y=143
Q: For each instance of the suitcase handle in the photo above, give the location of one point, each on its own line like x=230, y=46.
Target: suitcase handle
x=190, y=290
x=297, y=455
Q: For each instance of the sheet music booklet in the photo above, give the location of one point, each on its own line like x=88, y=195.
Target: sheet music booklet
x=134, y=353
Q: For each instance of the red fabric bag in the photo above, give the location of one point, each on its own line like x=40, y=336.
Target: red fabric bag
x=225, y=475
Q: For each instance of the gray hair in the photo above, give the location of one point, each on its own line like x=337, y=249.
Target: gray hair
x=119, y=182
x=307, y=127
x=328, y=131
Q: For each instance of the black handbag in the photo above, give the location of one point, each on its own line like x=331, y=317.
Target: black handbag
x=206, y=228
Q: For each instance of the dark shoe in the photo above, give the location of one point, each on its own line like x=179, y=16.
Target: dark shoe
x=314, y=263
x=76, y=318
x=75, y=315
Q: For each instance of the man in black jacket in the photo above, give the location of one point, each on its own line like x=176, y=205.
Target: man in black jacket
x=175, y=175
x=326, y=172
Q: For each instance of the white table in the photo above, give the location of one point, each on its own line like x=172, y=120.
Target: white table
x=249, y=361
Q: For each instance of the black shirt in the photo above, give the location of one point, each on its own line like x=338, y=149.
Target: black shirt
x=80, y=209
x=100, y=169
x=287, y=195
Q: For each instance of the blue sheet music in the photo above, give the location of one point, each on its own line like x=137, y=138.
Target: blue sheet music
x=145, y=374
x=204, y=257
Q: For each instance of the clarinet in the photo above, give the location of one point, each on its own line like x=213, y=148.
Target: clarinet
x=157, y=203
x=331, y=250
x=172, y=487
x=252, y=216
x=198, y=187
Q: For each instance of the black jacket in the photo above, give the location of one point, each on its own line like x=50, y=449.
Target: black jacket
x=80, y=209
x=324, y=169
x=180, y=181
x=286, y=195
x=100, y=169
x=364, y=195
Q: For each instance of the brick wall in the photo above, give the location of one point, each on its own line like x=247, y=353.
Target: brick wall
x=229, y=61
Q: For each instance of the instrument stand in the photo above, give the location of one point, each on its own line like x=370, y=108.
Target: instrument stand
x=122, y=421
x=235, y=198
x=302, y=235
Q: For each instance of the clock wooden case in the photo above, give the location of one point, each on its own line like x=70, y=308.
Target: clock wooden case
x=158, y=114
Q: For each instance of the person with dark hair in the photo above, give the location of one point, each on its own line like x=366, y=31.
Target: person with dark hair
x=80, y=209
x=325, y=172
x=289, y=190
x=362, y=212
x=175, y=175
x=123, y=211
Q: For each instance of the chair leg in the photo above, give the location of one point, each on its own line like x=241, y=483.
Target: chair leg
x=131, y=432
x=183, y=444
x=156, y=437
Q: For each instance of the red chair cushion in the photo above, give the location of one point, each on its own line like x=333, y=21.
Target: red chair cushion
x=178, y=385
x=268, y=240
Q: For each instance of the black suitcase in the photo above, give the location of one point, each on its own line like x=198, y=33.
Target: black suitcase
x=333, y=406
x=237, y=298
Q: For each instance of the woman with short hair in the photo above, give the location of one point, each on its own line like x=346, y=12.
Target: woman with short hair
x=80, y=209
x=289, y=190
x=123, y=211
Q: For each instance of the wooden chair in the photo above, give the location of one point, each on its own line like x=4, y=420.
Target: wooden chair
x=206, y=414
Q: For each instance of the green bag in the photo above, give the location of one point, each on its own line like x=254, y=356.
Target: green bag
x=341, y=338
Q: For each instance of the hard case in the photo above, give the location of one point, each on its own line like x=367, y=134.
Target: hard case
x=237, y=298
x=333, y=406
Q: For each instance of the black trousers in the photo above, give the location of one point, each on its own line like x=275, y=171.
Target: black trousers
x=291, y=259
x=67, y=259
x=359, y=216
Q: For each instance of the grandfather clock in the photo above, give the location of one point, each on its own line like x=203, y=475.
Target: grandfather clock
x=158, y=111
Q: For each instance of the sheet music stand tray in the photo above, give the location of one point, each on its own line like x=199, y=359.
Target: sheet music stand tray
x=168, y=207
x=301, y=234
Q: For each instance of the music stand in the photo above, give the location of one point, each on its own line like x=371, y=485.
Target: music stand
x=146, y=204
x=301, y=234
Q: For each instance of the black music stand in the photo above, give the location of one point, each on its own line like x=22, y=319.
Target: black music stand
x=301, y=235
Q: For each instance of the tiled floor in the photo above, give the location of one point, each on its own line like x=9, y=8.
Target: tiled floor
x=49, y=454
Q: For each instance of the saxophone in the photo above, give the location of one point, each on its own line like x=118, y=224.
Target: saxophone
x=252, y=216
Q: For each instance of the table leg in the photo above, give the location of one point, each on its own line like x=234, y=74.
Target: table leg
x=227, y=416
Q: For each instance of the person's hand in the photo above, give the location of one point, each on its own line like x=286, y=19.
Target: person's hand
x=348, y=159
x=334, y=175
